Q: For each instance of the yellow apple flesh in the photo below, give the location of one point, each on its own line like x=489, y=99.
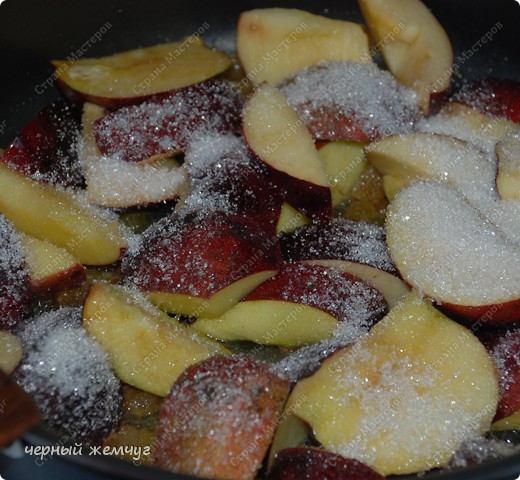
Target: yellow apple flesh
x=273, y=43
x=126, y=77
x=145, y=347
x=344, y=163
x=61, y=217
x=50, y=267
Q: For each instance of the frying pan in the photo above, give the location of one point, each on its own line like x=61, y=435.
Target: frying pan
x=34, y=31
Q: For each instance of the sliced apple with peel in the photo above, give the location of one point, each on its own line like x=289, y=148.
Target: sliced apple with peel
x=303, y=304
x=414, y=45
x=389, y=285
x=115, y=183
x=219, y=418
x=200, y=263
x=405, y=397
x=93, y=236
x=434, y=156
x=277, y=136
x=50, y=267
x=508, y=177
x=145, y=347
x=443, y=246
x=344, y=163
x=217, y=304
x=126, y=78
x=273, y=43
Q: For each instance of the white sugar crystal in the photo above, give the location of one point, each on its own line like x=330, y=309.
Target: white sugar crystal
x=115, y=183
x=361, y=91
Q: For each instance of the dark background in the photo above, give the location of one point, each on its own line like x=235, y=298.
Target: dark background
x=32, y=32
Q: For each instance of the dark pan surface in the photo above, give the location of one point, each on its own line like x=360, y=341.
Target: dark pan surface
x=34, y=31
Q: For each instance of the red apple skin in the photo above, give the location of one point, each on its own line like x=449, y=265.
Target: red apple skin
x=45, y=149
x=219, y=418
x=312, y=285
x=337, y=240
x=304, y=463
x=499, y=315
x=493, y=96
x=249, y=188
x=212, y=102
x=198, y=255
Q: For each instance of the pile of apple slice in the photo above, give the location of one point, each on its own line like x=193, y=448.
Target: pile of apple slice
x=247, y=248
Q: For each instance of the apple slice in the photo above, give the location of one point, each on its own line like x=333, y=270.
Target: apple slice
x=273, y=43
x=338, y=239
x=344, y=163
x=508, y=177
x=50, y=268
x=493, y=96
x=415, y=47
x=433, y=156
x=201, y=263
x=60, y=217
x=19, y=411
x=14, y=278
x=505, y=351
x=128, y=77
x=351, y=101
x=223, y=175
x=11, y=352
x=302, y=304
x=444, y=247
x=387, y=284
x=219, y=418
x=46, y=148
x=165, y=124
x=115, y=183
x=405, y=397
x=276, y=135
x=145, y=347
x=68, y=375
x=317, y=464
